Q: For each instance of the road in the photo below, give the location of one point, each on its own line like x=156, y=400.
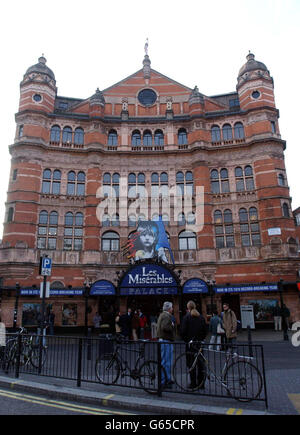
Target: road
x=17, y=403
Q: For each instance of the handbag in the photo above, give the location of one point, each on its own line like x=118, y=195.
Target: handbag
x=220, y=330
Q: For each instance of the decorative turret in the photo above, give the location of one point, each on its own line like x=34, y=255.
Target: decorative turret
x=97, y=103
x=38, y=88
x=255, y=85
x=196, y=101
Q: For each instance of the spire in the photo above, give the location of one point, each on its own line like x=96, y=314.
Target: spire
x=146, y=62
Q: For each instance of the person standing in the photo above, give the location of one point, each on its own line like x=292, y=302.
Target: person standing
x=285, y=318
x=135, y=324
x=214, y=324
x=166, y=335
x=193, y=327
x=51, y=323
x=229, y=324
x=143, y=323
x=117, y=324
x=97, y=321
x=277, y=317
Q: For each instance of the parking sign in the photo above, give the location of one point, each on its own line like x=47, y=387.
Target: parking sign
x=46, y=265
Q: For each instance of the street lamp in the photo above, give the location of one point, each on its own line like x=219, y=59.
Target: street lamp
x=211, y=285
x=87, y=285
x=283, y=322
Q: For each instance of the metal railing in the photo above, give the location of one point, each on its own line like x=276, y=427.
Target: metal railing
x=228, y=372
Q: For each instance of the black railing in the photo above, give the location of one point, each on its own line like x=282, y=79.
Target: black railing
x=229, y=372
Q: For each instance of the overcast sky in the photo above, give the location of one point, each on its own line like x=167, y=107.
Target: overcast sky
x=97, y=43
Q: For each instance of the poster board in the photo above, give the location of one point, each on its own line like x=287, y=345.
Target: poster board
x=247, y=316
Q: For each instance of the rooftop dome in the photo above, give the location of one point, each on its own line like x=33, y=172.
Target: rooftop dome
x=41, y=68
x=252, y=65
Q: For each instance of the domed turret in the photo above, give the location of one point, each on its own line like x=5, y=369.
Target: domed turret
x=255, y=85
x=38, y=88
x=41, y=68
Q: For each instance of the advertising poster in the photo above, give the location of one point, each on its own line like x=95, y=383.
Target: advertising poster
x=69, y=315
x=149, y=241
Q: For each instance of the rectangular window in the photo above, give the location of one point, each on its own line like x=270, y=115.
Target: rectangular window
x=46, y=187
x=256, y=240
x=220, y=242
x=78, y=244
x=42, y=231
x=56, y=188
x=80, y=189
x=183, y=244
x=249, y=184
x=230, y=241
x=71, y=189
x=240, y=187
x=215, y=187
x=41, y=243
x=245, y=240
x=68, y=244
x=273, y=126
x=15, y=174
x=52, y=243
x=52, y=231
x=69, y=232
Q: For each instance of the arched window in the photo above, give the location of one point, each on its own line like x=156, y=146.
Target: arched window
x=219, y=182
x=227, y=132
x=51, y=182
x=159, y=138
x=21, y=131
x=80, y=191
x=136, y=138
x=187, y=241
x=181, y=219
x=132, y=221
x=147, y=138
x=285, y=210
x=43, y=217
x=180, y=183
x=67, y=135
x=239, y=131
x=71, y=183
x=112, y=138
x=281, y=180
x=69, y=219
x=55, y=134
x=154, y=178
x=56, y=182
x=110, y=241
x=53, y=218
x=79, y=136
x=215, y=133
x=182, y=136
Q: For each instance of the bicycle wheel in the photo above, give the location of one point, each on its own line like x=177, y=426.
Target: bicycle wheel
x=34, y=355
x=107, y=369
x=243, y=380
x=149, y=376
x=188, y=374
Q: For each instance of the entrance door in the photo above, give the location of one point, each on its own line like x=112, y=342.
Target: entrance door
x=234, y=304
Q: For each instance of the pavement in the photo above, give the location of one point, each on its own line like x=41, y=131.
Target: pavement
x=282, y=376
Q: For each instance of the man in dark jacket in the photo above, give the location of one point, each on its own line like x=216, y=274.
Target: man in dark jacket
x=193, y=327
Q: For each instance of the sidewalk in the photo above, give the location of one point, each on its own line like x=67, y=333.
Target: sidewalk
x=282, y=379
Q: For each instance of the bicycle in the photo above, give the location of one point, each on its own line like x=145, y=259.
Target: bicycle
x=110, y=366
x=29, y=351
x=239, y=376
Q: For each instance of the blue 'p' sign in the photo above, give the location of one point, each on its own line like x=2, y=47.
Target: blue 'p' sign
x=46, y=266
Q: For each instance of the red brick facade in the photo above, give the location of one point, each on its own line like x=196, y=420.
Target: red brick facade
x=230, y=143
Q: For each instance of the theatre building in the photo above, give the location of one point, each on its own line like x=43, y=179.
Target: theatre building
x=85, y=172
